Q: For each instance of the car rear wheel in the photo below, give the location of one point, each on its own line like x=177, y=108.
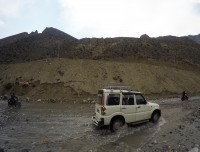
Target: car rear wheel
x=116, y=124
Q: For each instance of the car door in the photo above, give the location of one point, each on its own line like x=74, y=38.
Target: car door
x=128, y=108
x=142, y=108
x=112, y=104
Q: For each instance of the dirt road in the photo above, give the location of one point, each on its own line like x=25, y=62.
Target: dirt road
x=62, y=127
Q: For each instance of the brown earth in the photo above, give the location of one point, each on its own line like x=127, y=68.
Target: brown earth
x=67, y=79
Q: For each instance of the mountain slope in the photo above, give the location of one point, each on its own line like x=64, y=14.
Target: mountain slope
x=66, y=78
x=36, y=46
x=53, y=43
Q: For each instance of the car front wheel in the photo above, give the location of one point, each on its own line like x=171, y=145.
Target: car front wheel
x=155, y=117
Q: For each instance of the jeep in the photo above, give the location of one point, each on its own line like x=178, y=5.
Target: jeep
x=119, y=105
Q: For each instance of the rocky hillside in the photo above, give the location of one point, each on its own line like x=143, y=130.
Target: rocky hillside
x=34, y=46
x=171, y=49
x=54, y=43
x=67, y=78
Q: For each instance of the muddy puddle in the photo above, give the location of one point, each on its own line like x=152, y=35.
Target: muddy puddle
x=66, y=127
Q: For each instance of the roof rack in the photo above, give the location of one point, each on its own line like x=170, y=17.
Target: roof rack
x=118, y=87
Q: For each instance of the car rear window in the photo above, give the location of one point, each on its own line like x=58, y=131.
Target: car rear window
x=113, y=99
x=99, y=97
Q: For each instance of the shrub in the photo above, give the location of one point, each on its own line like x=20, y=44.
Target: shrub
x=8, y=86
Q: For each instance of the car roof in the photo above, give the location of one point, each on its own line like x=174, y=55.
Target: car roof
x=119, y=91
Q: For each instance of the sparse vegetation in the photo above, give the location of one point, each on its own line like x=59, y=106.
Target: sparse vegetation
x=61, y=73
x=54, y=43
x=8, y=86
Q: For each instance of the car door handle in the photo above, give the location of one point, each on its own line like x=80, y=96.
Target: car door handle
x=123, y=108
x=138, y=107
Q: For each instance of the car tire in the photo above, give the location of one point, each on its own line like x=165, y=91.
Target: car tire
x=116, y=124
x=155, y=117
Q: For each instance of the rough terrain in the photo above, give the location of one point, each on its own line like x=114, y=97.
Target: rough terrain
x=67, y=126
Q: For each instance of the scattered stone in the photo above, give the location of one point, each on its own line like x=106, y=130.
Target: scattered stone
x=39, y=100
x=165, y=141
x=84, y=101
x=181, y=126
x=93, y=102
x=24, y=84
x=154, y=142
x=89, y=100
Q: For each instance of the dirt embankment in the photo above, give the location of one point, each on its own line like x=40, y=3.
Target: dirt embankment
x=65, y=78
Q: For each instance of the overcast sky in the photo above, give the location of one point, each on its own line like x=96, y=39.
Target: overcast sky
x=101, y=18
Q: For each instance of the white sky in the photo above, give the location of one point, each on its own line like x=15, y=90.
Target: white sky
x=101, y=18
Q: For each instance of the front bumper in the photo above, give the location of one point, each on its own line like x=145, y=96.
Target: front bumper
x=98, y=123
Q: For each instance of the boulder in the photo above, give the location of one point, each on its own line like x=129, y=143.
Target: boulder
x=39, y=100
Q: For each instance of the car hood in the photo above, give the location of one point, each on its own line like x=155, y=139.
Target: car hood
x=153, y=104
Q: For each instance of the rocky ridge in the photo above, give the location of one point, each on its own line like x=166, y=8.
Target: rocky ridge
x=53, y=43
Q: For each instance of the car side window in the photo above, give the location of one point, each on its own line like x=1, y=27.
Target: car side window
x=128, y=100
x=140, y=99
x=113, y=99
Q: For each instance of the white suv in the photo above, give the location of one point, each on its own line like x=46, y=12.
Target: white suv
x=117, y=105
